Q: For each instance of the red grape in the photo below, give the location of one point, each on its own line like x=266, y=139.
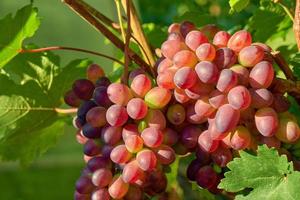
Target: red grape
x=146, y=160
x=239, y=98
x=221, y=39
x=165, y=155
x=206, y=52
x=185, y=58
x=120, y=154
x=206, y=143
x=111, y=135
x=225, y=58
x=83, y=89
x=152, y=137
x=157, y=97
x=226, y=118
x=239, y=40
x=227, y=80
x=116, y=115
x=251, y=55
x=266, y=121
x=119, y=93
x=207, y=72
x=96, y=116
x=94, y=72
x=140, y=85
x=137, y=108
x=194, y=39
x=261, y=76
x=118, y=188
x=102, y=177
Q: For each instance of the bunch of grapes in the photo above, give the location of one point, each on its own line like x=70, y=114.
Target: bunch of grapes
x=213, y=96
x=223, y=84
x=126, y=142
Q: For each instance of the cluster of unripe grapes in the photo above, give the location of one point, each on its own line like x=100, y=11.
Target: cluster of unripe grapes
x=212, y=97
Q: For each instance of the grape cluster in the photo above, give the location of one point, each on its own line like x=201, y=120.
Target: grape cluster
x=213, y=96
x=126, y=142
x=223, y=85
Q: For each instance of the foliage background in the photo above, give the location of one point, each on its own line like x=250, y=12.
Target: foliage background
x=52, y=176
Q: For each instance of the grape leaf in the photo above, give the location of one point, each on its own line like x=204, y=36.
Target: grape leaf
x=238, y=5
x=270, y=15
x=13, y=30
x=29, y=123
x=269, y=175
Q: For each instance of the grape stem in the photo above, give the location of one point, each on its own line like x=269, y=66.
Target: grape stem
x=139, y=33
x=66, y=111
x=296, y=26
x=117, y=2
x=71, y=49
x=283, y=65
x=127, y=42
x=86, y=15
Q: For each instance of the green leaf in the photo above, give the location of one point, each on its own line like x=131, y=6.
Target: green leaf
x=269, y=175
x=270, y=16
x=198, y=18
x=238, y=5
x=156, y=34
x=13, y=30
x=295, y=62
x=29, y=124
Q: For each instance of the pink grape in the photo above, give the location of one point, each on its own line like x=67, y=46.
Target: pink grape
x=239, y=98
x=227, y=80
x=164, y=65
x=261, y=98
x=134, y=143
x=240, y=138
x=170, y=47
x=239, y=40
x=185, y=58
x=165, y=79
x=203, y=107
x=261, y=75
x=176, y=114
x=194, y=39
x=120, y=154
x=111, y=135
x=128, y=130
x=94, y=72
x=225, y=58
x=214, y=133
x=266, y=121
x=221, y=39
x=174, y=28
x=118, y=188
x=185, y=78
x=116, y=115
x=131, y=172
x=189, y=136
x=152, y=137
x=242, y=74
x=226, y=118
x=206, y=52
x=119, y=93
x=288, y=131
x=146, y=159
x=207, y=72
x=96, y=116
x=102, y=177
x=165, y=155
x=217, y=99
x=251, y=55
x=140, y=85
x=206, y=143
x=175, y=36
x=157, y=97
x=137, y=108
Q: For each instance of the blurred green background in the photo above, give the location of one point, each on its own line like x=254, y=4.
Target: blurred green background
x=53, y=175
